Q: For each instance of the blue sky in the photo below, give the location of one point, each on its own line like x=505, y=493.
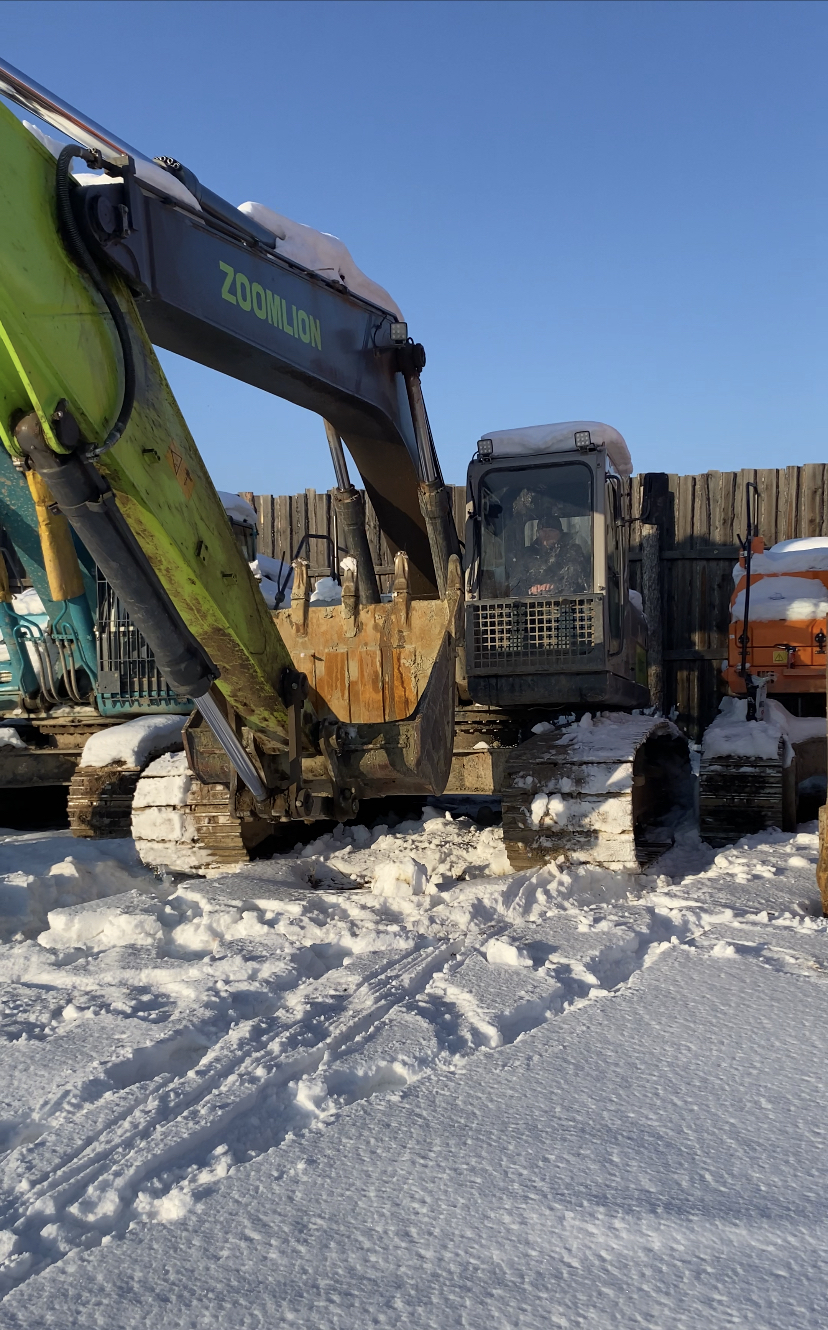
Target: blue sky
x=600, y=210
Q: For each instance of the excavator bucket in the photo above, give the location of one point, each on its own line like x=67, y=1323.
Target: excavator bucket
x=386, y=674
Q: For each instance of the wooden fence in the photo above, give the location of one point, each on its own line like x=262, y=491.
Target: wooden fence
x=699, y=519
x=286, y=520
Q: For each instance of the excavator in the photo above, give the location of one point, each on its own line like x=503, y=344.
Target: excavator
x=299, y=714
x=302, y=712
x=555, y=714
x=75, y=666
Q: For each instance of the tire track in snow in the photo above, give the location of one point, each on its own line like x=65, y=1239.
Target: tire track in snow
x=264, y=1080
x=146, y=1149
x=91, y=1190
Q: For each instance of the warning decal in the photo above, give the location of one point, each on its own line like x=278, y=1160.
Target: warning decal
x=181, y=471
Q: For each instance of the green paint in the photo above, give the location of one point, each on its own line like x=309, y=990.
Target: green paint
x=59, y=342
x=229, y=273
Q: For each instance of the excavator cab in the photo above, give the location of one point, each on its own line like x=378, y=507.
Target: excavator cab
x=552, y=628
x=549, y=617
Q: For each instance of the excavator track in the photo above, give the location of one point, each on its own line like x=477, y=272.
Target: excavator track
x=182, y=825
x=100, y=801
x=608, y=790
x=740, y=796
x=226, y=839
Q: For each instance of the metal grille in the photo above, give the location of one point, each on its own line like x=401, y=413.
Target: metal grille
x=526, y=635
x=128, y=677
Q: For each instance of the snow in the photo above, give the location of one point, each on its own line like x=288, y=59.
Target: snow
x=133, y=742
x=28, y=603
x=271, y=574
x=274, y=569
x=162, y=825
x=611, y=736
x=786, y=598
x=809, y=553
x=289, y=1094
x=39, y=873
x=321, y=252
x=534, y=439
x=238, y=508
x=731, y=735
x=10, y=738
x=326, y=592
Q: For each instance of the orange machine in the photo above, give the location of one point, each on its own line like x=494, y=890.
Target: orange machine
x=788, y=652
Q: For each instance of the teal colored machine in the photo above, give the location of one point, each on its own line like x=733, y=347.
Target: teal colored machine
x=79, y=651
x=51, y=654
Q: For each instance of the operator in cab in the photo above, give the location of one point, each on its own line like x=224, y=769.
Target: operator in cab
x=553, y=565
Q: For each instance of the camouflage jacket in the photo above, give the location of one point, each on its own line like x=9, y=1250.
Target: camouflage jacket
x=564, y=567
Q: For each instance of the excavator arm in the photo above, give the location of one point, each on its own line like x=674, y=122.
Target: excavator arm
x=186, y=269
x=211, y=284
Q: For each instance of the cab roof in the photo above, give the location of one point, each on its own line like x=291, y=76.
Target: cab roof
x=533, y=439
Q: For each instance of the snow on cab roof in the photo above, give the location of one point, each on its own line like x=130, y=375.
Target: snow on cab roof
x=238, y=509
x=321, y=253
x=561, y=438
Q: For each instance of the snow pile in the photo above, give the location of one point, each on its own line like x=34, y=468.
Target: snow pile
x=809, y=554
x=57, y=871
x=611, y=736
x=29, y=604
x=163, y=827
x=10, y=738
x=534, y=439
x=275, y=1087
x=133, y=742
x=786, y=598
x=326, y=592
x=271, y=574
x=321, y=252
x=732, y=735
x=238, y=509
x=611, y=816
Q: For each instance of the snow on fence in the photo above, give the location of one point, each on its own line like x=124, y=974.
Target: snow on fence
x=698, y=519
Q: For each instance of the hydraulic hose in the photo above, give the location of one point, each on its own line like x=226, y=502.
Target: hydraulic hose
x=76, y=245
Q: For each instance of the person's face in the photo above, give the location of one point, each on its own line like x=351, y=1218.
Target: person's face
x=548, y=536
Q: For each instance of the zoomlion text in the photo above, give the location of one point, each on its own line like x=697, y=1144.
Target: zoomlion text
x=268, y=306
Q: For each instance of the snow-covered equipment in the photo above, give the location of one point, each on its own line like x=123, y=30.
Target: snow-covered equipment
x=551, y=628
x=759, y=759
x=778, y=616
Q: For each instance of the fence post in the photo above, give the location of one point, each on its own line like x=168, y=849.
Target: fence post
x=651, y=587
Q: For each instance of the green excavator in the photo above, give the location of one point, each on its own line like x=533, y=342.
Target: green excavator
x=301, y=713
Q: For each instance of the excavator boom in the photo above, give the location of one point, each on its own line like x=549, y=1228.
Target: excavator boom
x=91, y=271
x=212, y=285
